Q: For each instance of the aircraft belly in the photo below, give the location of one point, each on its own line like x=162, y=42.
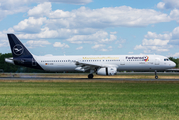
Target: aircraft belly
x=57, y=67
x=142, y=67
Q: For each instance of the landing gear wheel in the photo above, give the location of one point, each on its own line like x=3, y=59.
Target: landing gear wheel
x=156, y=77
x=90, y=76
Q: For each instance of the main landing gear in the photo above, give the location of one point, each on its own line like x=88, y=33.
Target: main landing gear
x=90, y=76
x=156, y=77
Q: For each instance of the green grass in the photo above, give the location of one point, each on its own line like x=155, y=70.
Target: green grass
x=20, y=100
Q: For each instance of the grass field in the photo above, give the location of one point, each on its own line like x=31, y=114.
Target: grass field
x=86, y=100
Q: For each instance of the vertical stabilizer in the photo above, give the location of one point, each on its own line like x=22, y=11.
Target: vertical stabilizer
x=21, y=56
x=17, y=48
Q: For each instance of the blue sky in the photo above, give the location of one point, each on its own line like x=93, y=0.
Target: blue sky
x=92, y=27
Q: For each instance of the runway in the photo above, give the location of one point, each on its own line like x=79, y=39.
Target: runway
x=31, y=79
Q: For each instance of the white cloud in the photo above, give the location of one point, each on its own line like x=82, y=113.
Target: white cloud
x=6, y=12
x=83, y=25
x=99, y=36
x=151, y=49
x=106, y=17
x=77, y=2
x=153, y=35
x=175, y=33
x=3, y=38
x=39, y=43
x=161, y=5
x=98, y=46
x=47, y=33
x=154, y=42
x=112, y=38
x=60, y=14
x=30, y=25
x=168, y=4
x=101, y=47
x=154, y=45
x=104, y=50
x=40, y=10
x=174, y=14
x=3, y=35
x=120, y=41
x=61, y=45
x=176, y=55
x=4, y=43
x=79, y=48
x=8, y=7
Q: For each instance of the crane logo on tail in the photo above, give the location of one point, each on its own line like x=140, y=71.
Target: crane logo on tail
x=18, y=49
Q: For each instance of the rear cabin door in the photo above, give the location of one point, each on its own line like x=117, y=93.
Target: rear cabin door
x=33, y=62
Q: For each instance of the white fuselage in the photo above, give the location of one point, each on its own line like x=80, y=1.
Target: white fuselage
x=121, y=62
x=99, y=64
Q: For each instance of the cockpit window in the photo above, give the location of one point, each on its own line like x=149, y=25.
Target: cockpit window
x=166, y=59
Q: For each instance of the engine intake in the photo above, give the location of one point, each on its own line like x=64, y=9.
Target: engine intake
x=106, y=71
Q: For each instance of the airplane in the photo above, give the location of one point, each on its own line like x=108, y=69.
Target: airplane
x=100, y=64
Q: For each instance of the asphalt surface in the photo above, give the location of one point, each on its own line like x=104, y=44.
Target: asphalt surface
x=95, y=79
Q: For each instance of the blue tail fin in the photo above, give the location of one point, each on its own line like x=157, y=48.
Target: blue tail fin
x=17, y=48
x=21, y=56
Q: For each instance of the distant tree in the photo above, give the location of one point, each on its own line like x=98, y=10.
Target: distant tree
x=175, y=60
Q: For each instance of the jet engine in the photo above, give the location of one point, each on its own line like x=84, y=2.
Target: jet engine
x=106, y=71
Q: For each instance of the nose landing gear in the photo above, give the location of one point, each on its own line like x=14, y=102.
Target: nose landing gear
x=156, y=77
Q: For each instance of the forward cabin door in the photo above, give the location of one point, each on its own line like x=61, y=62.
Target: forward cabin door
x=157, y=61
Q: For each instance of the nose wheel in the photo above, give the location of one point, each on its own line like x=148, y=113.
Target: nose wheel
x=156, y=77
x=90, y=76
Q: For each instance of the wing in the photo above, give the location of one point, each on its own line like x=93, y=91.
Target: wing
x=83, y=66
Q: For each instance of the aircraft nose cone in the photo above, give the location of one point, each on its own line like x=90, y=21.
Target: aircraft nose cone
x=173, y=64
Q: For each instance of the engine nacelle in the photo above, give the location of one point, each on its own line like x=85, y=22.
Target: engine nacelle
x=106, y=71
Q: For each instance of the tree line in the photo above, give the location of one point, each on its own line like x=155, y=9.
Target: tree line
x=175, y=60
x=6, y=67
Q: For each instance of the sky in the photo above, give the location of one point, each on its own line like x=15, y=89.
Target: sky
x=92, y=27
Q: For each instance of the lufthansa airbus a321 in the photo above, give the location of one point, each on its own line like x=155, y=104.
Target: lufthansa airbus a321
x=99, y=64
